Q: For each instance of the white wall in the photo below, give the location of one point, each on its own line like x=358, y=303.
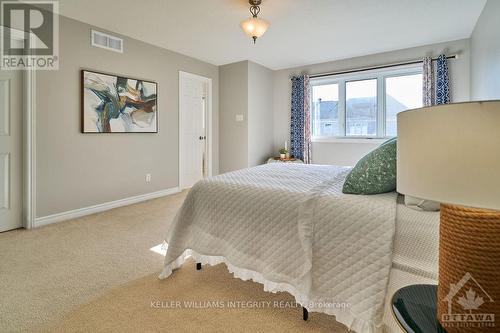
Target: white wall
x=346, y=154
x=349, y=153
x=485, y=54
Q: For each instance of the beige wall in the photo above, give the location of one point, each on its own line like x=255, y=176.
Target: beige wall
x=245, y=89
x=485, y=54
x=350, y=153
x=260, y=114
x=76, y=170
x=233, y=101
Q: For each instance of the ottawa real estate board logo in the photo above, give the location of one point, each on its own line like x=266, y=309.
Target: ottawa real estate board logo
x=30, y=35
x=470, y=296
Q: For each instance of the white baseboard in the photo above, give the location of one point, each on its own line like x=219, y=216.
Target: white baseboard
x=73, y=214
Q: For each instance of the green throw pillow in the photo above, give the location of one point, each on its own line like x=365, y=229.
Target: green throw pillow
x=375, y=173
x=390, y=140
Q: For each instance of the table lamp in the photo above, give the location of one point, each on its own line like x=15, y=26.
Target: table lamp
x=451, y=154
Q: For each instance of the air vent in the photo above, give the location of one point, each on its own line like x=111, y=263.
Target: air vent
x=105, y=41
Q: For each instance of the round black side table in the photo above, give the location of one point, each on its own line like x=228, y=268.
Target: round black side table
x=415, y=309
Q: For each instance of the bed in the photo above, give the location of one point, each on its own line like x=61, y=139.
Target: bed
x=415, y=254
x=290, y=227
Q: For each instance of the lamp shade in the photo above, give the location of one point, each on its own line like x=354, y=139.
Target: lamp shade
x=254, y=26
x=451, y=154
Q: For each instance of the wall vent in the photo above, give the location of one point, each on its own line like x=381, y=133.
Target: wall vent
x=105, y=41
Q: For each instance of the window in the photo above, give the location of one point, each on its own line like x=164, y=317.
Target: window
x=361, y=108
x=326, y=103
x=364, y=105
x=401, y=93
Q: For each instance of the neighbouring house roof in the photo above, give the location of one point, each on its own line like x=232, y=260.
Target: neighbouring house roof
x=357, y=107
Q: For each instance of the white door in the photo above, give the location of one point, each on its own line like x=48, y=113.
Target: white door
x=10, y=149
x=193, y=119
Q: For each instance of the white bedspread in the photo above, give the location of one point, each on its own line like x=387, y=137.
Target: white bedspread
x=290, y=227
x=416, y=242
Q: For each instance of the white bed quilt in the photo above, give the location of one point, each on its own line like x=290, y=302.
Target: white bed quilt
x=290, y=227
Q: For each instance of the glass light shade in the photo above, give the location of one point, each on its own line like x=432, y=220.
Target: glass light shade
x=254, y=26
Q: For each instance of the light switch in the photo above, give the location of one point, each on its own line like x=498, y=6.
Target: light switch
x=239, y=117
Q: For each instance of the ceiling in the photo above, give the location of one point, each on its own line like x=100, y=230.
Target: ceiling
x=301, y=32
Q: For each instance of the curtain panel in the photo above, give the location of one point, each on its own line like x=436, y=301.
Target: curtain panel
x=428, y=82
x=300, y=122
x=442, y=81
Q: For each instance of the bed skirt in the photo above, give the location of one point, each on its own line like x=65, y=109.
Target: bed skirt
x=342, y=314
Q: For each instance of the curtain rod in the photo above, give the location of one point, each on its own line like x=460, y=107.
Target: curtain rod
x=454, y=56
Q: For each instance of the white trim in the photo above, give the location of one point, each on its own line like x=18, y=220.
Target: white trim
x=349, y=140
x=209, y=134
x=29, y=147
x=73, y=214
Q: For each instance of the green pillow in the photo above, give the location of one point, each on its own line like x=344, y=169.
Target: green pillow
x=390, y=140
x=375, y=173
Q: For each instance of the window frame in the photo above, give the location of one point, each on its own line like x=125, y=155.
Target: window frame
x=341, y=79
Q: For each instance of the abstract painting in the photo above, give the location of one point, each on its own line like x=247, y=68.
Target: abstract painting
x=115, y=104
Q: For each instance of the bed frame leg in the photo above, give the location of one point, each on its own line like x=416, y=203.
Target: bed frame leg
x=198, y=266
x=305, y=314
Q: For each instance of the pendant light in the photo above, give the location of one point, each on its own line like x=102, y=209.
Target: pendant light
x=254, y=27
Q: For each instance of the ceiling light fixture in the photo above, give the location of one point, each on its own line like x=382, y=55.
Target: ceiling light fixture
x=254, y=27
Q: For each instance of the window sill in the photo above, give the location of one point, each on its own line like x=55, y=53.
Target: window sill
x=350, y=140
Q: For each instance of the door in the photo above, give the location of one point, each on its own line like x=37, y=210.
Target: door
x=10, y=149
x=193, y=119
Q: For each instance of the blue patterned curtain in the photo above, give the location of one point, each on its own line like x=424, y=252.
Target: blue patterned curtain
x=300, y=135
x=442, y=81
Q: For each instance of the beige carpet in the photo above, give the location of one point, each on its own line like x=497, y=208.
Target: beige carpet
x=98, y=274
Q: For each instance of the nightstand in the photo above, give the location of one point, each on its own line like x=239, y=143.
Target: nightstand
x=285, y=160
x=415, y=309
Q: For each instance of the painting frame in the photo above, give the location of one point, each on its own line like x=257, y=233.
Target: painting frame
x=84, y=104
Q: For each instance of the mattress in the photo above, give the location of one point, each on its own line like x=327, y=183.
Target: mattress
x=416, y=242
x=415, y=255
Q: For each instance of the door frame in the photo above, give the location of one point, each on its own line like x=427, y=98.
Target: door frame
x=29, y=146
x=209, y=103
x=28, y=210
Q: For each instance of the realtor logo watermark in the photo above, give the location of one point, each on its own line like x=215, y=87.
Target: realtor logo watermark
x=470, y=300
x=30, y=35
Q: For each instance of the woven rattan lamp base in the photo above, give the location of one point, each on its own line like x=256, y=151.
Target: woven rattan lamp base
x=469, y=269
